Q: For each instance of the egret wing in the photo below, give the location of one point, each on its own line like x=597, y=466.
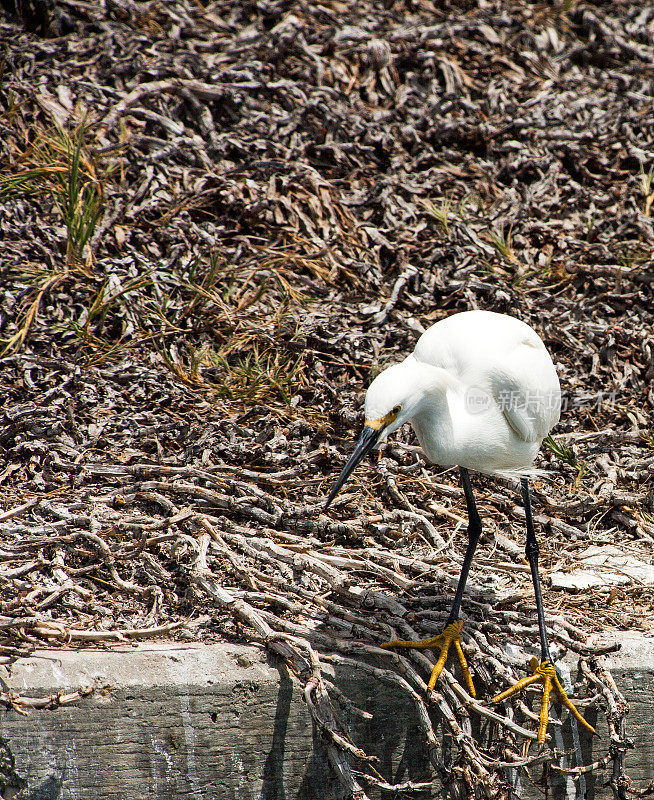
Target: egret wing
x=526, y=389
x=503, y=357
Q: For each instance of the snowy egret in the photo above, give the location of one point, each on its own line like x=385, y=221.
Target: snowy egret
x=481, y=393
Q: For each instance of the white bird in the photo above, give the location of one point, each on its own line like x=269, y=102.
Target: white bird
x=481, y=393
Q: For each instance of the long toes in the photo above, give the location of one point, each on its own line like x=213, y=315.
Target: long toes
x=467, y=677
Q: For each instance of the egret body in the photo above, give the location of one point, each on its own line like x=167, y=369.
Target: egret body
x=481, y=393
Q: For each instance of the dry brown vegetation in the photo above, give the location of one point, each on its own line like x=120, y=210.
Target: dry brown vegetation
x=219, y=220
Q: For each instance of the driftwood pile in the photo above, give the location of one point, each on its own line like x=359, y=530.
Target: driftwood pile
x=218, y=221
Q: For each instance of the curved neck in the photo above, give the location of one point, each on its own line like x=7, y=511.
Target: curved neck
x=432, y=419
x=430, y=384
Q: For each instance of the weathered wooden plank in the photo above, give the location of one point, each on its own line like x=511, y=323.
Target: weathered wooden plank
x=221, y=721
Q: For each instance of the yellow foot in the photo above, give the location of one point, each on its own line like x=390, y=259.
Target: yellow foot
x=451, y=635
x=546, y=674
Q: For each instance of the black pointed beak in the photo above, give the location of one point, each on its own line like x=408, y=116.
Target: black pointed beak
x=367, y=440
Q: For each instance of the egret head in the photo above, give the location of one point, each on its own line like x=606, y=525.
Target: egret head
x=391, y=400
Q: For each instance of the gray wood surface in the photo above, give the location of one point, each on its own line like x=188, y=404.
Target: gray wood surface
x=222, y=721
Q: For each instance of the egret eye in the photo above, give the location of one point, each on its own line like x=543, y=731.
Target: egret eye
x=396, y=410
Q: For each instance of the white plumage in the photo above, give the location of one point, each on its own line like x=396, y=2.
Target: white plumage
x=480, y=390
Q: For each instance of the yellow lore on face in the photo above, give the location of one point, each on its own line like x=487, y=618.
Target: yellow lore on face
x=387, y=419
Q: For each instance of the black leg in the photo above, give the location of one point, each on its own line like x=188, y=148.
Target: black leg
x=474, y=532
x=545, y=672
x=531, y=551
